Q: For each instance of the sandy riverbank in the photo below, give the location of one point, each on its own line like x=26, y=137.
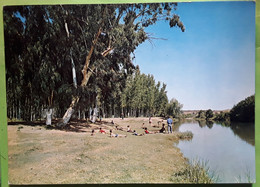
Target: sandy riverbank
x=40, y=156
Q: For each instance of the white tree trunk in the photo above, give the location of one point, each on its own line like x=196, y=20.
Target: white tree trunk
x=69, y=112
x=74, y=77
x=84, y=115
x=48, y=116
x=95, y=114
x=90, y=114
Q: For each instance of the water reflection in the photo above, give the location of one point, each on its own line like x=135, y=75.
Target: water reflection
x=245, y=131
x=229, y=148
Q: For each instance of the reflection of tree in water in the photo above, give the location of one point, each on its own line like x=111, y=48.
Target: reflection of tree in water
x=245, y=131
x=177, y=124
x=202, y=123
x=209, y=124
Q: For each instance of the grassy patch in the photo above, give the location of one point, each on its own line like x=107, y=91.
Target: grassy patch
x=188, y=135
x=196, y=172
x=246, y=179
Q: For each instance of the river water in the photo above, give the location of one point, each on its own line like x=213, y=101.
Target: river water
x=229, y=150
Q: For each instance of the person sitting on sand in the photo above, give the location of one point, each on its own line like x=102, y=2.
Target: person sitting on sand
x=119, y=128
x=112, y=122
x=162, y=130
x=129, y=129
x=92, y=132
x=143, y=126
x=102, y=131
x=147, y=132
x=136, y=134
x=116, y=135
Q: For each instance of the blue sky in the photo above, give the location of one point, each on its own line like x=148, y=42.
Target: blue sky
x=212, y=64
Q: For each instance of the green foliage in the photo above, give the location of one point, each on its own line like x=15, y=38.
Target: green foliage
x=244, y=111
x=42, y=41
x=222, y=116
x=201, y=114
x=197, y=172
x=142, y=96
x=188, y=135
x=209, y=114
x=173, y=108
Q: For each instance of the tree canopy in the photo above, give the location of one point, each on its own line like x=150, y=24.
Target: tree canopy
x=68, y=57
x=244, y=111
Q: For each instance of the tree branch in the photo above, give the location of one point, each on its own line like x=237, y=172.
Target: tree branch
x=83, y=35
x=85, y=68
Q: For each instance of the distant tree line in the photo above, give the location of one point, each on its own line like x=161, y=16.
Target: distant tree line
x=142, y=96
x=244, y=111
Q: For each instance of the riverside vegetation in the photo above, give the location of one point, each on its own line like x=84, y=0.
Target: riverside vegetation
x=243, y=111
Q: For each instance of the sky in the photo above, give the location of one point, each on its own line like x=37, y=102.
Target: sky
x=212, y=64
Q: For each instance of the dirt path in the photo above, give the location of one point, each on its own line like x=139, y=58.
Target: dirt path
x=40, y=156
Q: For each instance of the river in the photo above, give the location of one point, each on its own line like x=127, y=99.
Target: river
x=229, y=150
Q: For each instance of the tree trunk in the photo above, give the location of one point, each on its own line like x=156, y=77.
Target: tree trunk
x=13, y=112
x=79, y=114
x=69, y=112
x=74, y=77
x=87, y=72
x=95, y=115
x=19, y=110
x=84, y=115
x=48, y=116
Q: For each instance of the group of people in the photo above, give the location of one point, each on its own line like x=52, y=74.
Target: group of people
x=162, y=130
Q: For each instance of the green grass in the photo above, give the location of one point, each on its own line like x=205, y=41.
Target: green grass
x=247, y=179
x=196, y=172
x=185, y=135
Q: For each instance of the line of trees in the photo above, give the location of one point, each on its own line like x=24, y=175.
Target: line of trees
x=142, y=96
x=244, y=111
x=73, y=58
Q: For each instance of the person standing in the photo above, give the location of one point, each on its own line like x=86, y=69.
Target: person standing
x=169, y=122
